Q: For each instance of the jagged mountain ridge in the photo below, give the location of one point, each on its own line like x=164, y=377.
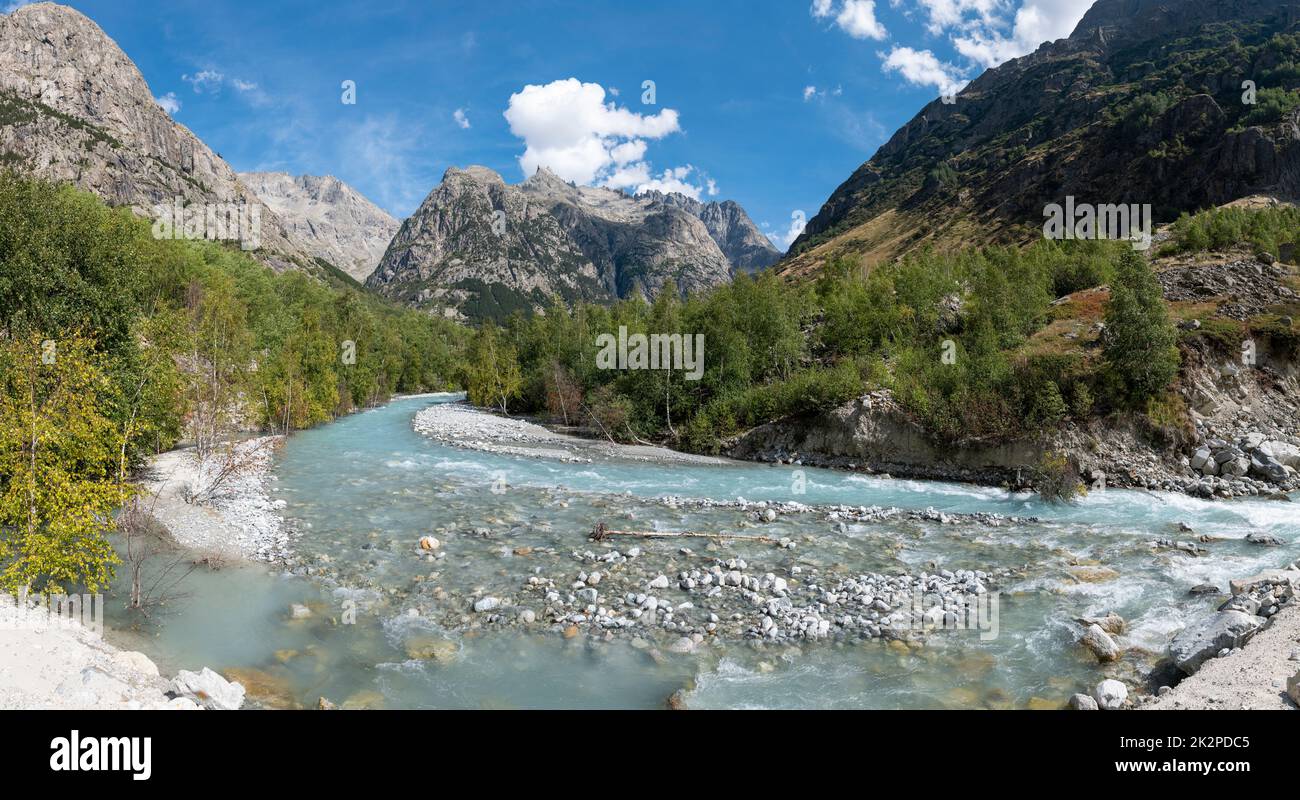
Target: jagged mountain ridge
x=1141, y=104
x=745, y=246
x=327, y=218
x=74, y=108
x=481, y=248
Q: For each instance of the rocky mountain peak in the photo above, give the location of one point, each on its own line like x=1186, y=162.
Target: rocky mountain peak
x=77, y=110
x=746, y=247
x=327, y=218
x=478, y=247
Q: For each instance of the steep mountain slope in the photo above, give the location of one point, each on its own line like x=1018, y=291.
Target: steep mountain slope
x=740, y=240
x=1143, y=103
x=327, y=218
x=74, y=108
x=479, y=247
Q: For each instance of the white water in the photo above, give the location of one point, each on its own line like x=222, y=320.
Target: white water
x=364, y=489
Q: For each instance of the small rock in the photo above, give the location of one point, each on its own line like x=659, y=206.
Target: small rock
x=208, y=689
x=1110, y=695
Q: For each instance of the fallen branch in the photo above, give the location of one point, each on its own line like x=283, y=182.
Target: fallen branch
x=600, y=533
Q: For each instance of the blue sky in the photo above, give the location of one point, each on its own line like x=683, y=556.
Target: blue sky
x=772, y=103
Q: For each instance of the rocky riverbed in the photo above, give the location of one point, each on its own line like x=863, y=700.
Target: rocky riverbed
x=220, y=507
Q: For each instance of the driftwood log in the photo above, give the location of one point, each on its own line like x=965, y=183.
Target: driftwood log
x=602, y=532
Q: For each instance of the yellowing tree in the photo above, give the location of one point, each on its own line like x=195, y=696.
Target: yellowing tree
x=58, y=466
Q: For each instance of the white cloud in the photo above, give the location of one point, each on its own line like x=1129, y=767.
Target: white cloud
x=922, y=68
x=812, y=92
x=206, y=81
x=461, y=119
x=798, y=221
x=858, y=19
x=672, y=180
x=211, y=81
x=568, y=127
x=981, y=31
x=984, y=32
x=169, y=103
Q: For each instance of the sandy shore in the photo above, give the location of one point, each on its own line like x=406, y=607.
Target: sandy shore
x=1254, y=678
x=465, y=426
x=240, y=520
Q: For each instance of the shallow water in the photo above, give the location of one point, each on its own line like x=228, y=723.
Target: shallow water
x=360, y=493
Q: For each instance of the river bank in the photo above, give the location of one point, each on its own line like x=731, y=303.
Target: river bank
x=236, y=518
x=49, y=662
x=1262, y=675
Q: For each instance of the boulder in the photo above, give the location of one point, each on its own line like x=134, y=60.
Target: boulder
x=135, y=662
x=487, y=604
x=1083, y=702
x=1202, y=641
x=1236, y=468
x=208, y=689
x=1110, y=695
x=432, y=648
x=1112, y=623
x=1266, y=539
x=1285, y=454
x=1266, y=468
x=1293, y=688
x=1100, y=643
x=429, y=543
x=1200, y=457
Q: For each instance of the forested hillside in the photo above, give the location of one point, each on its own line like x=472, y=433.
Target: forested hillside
x=115, y=345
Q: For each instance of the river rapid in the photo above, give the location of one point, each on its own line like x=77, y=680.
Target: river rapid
x=382, y=623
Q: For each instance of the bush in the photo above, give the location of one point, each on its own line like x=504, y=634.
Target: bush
x=1056, y=479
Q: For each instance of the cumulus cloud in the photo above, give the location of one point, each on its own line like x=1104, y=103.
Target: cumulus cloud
x=568, y=127
x=857, y=18
x=981, y=31
x=461, y=119
x=169, y=103
x=798, y=221
x=984, y=33
x=923, y=68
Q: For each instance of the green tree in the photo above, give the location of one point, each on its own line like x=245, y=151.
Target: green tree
x=59, y=480
x=1140, y=340
x=494, y=377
